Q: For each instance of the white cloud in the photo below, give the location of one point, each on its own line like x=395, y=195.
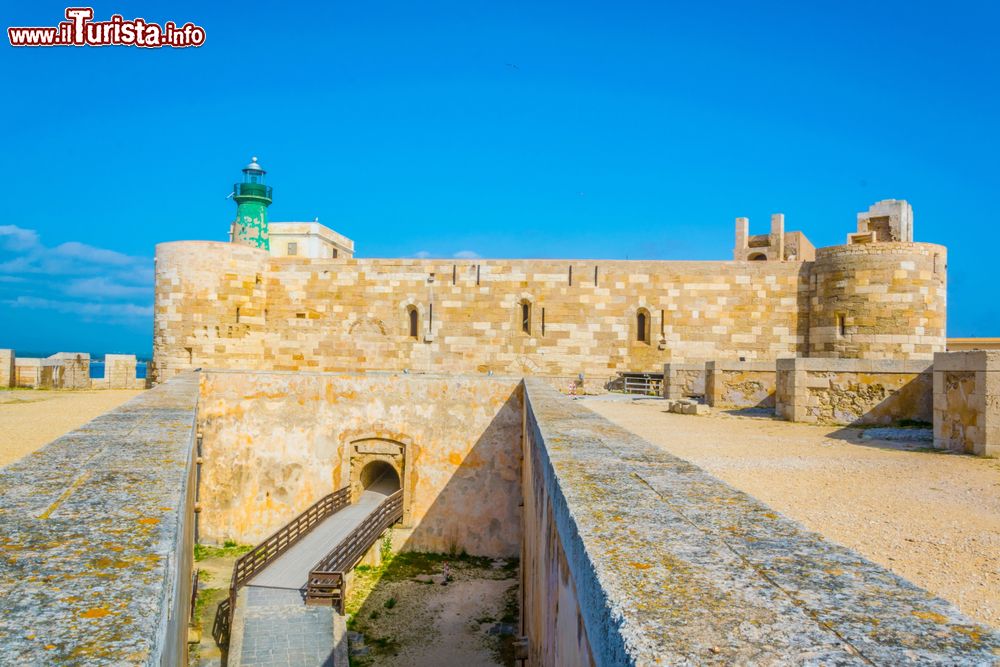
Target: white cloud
x=466, y=254
x=17, y=239
x=421, y=254
x=102, y=288
x=74, y=279
x=115, y=311
x=92, y=255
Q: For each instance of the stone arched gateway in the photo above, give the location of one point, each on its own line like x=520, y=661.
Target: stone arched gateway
x=370, y=455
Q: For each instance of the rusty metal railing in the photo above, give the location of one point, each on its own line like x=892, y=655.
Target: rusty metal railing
x=326, y=579
x=269, y=550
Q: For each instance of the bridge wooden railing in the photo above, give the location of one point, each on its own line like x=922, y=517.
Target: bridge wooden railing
x=269, y=550
x=326, y=579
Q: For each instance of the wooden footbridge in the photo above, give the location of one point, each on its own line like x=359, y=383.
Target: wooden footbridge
x=305, y=563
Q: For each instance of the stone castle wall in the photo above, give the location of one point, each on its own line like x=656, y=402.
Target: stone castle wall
x=274, y=443
x=221, y=305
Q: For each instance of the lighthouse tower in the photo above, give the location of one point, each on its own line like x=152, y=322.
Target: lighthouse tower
x=252, y=199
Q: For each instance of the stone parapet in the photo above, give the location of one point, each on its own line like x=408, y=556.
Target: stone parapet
x=740, y=384
x=853, y=391
x=75, y=370
x=633, y=556
x=967, y=402
x=97, y=540
x=684, y=380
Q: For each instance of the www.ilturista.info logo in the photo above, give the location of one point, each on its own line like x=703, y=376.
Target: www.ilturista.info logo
x=80, y=30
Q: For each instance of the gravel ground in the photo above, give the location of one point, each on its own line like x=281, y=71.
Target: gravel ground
x=933, y=518
x=32, y=418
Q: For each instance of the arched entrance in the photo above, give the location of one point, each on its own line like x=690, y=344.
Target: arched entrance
x=378, y=463
x=380, y=477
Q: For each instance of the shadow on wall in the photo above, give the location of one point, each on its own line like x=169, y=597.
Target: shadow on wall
x=275, y=443
x=460, y=520
x=464, y=601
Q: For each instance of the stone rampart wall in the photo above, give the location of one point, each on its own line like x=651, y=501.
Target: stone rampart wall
x=740, y=384
x=221, y=305
x=635, y=557
x=273, y=443
x=97, y=542
x=854, y=391
x=967, y=402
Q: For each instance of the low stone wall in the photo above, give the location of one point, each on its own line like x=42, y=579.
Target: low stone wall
x=967, y=402
x=683, y=380
x=854, y=391
x=75, y=369
x=33, y=373
x=97, y=539
x=119, y=373
x=273, y=443
x=633, y=556
x=740, y=384
x=68, y=370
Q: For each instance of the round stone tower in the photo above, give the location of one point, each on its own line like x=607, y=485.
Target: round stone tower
x=252, y=199
x=878, y=301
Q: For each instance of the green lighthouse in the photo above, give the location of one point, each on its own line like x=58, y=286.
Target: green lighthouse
x=252, y=199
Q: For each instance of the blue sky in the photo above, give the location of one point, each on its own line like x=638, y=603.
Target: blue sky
x=505, y=129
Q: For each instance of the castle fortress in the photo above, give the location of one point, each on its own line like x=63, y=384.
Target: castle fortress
x=291, y=296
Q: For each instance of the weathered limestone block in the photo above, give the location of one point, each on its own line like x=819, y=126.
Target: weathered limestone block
x=7, y=368
x=119, y=371
x=35, y=373
x=740, y=384
x=967, y=402
x=683, y=380
x=854, y=391
x=75, y=372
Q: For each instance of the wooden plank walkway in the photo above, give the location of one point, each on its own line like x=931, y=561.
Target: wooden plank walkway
x=278, y=628
x=291, y=570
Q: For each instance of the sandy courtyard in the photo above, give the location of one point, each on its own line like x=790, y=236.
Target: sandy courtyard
x=31, y=418
x=932, y=518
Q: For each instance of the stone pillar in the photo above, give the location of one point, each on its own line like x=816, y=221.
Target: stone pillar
x=777, y=250
x=967, y=402
x=75, y=372
x=742, y=238
x=683, y=380
x=7, y=368
x=119, y=371
x=791, y=395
